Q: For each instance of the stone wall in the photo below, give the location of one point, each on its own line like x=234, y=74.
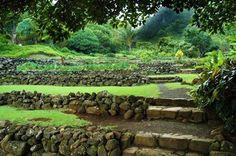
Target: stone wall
x=22, y=140
x=92, y=79
x=8, y=65
x=102, y=103
x=82, y=79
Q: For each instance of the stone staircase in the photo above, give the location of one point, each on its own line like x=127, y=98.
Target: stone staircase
x=184, y=114
x=170, y=144
x=153, y=144
x=176, y=109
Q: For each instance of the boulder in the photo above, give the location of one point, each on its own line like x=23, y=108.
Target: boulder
x=102, y=151
x=93, y=110
x=115, y=152
x=129, y=114
x=112, y=144
x=124, y=106
x=17, y=148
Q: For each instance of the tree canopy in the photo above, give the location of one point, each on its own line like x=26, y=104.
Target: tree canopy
x=60, y=17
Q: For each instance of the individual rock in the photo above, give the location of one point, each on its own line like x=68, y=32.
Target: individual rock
x=115, y=152
x=200, y=145
x=138, y=116
x=102, y=151
x=174, y=141
x=126, y=140
x=227, y=146
x=129, y=114
x=92, y=151
x=17, y=148
x=36, y=147
x=197, y=116
x=214, y=146
x=145, y=139
x=130, y=151
x=154, y=112
x=93, y=110
x=112, y=144
x=124, y=106
x=170, y=113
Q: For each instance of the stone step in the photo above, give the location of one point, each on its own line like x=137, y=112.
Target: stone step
x=173, y=142
x=178, y=102
x=135, y=151
x=188, y=71
x=184, y=114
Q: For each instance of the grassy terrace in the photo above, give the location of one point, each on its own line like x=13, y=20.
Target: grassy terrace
x=151, y=90
x=186, y=77
x=40, y=117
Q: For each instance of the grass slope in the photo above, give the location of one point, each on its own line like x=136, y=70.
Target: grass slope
x=151, y=90
x=22, y=116
x=16, y=51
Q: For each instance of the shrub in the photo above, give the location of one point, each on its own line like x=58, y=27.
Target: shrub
x=179, y=54
x=217, y=89
x=199, y=39
x=104, y=35
x=27, y=31
x=84, y=41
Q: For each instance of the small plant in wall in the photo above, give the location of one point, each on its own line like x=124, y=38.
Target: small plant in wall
x=179, y=54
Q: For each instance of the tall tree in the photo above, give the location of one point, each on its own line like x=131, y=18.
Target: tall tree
x=63, y=16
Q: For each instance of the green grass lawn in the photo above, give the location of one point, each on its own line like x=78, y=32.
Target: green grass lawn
x=150, y=90
x=186, y=77
x=57, y=118
x=172, y=86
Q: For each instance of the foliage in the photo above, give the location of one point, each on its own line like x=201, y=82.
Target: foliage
x=128, y=36
x=29, y=66
x=56, y=117
x=165, y=22
x=199, y=39
x=3, y=39
x=179, y=54
x=104, y=35
x=27, y=31
x=59, y=18
x=217, y=89
x=84, y=41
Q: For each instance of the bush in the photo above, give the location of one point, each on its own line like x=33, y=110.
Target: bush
x=84, y=41
x=104, y=35
x=199, y=39
x=217, y=89
x=179, y=54
x=27, y=31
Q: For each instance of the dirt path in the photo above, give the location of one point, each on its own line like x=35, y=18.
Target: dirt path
x=155, y=126
x=176, y=93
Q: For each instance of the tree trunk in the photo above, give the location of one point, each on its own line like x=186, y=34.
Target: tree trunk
x=13, y=32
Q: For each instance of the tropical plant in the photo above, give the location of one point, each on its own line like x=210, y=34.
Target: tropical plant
x=179, y=54
x=217, y=89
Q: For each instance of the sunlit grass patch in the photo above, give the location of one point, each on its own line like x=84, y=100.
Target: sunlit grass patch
x=40, y=117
